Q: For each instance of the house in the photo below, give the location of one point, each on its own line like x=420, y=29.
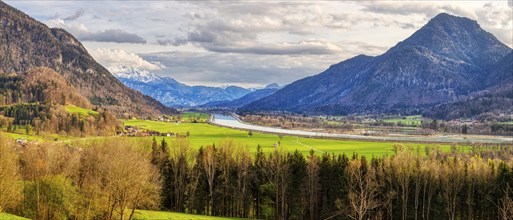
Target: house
x=21, y=141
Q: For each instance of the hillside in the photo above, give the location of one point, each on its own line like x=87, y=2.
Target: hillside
x=496, y=100
x=448, y=58
x=172, y=93
x=42, y=101
x=26, y=43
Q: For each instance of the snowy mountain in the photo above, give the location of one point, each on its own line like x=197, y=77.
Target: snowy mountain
x=130, y=73
x=172, y=93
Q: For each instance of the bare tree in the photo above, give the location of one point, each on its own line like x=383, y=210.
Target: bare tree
x=506, y=204
x=362, y=189
x=210, y=165
x=452, y=183
x=402, y=167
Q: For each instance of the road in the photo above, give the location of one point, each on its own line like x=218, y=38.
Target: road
x=232, y=122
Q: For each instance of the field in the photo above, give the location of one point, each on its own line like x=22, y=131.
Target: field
x=202, y=134
x=81, y=111
x=143, y=215
x=195, y=117
x=5, y=216
x=407, y=120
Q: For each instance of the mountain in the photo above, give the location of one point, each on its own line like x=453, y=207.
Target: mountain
x=26, y=43
x=244, y=100
x=450, y=57
x=172, y=93
x=494, y=100
x=272, y=86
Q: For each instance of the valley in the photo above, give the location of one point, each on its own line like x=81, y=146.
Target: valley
x=172, y=110
x=232, y=122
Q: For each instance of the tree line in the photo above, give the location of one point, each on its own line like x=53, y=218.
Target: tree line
x=112, y=179
x=468, y=182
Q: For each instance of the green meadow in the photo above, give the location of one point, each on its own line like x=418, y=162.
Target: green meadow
x=80, y=111
x=5, y=216
x=150, y=215
x=201, y=134
x=407, y=120
x=195, y=117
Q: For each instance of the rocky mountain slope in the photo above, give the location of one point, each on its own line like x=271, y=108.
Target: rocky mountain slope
x=26, y=43
x=449, y=58
x=495, y=100
x=172, y=93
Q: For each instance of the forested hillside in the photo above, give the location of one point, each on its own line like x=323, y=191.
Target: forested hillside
x=26, y=44
x=35, y=101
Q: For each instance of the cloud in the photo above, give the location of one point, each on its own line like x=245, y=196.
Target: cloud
x=78, y=14
x=109, y=35
x=428, y=9
x=207, y=68
x=303, y=47
x=113, y=57
x=112, y=35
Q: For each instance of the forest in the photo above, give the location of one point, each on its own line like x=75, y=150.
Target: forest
x=36, y=100
x=112, y=179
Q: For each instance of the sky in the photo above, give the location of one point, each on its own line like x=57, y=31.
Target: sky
x=250, y=43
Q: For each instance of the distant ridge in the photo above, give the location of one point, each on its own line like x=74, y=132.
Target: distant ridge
x=173, y=93
x=449, y=58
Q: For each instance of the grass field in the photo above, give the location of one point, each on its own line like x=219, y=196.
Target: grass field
x=195, y=116
x=81, y=111
x=407, y=120
x=150, y=215
x=202, y=134
x=5, y=216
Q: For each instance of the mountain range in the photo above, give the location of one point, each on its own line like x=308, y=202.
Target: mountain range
x=172, y=93
x=447, y=60
x=26, y=43
x=244, y=100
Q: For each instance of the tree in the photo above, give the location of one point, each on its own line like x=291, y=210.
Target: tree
x=10, y=188
x=313, y=185
x=452, y=181
x=362, y=189
x=210, y=164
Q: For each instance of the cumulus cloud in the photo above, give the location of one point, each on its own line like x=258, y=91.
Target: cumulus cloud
x=113, y=57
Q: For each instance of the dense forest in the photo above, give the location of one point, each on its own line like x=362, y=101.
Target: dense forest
x=35, y=101
x=111, y=179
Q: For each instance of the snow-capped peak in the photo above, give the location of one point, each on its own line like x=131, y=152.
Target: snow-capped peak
x=126, y=72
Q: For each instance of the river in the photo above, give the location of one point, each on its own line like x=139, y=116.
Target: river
x=232, y=122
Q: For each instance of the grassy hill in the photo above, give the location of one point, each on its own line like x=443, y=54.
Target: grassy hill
x=83, y=112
